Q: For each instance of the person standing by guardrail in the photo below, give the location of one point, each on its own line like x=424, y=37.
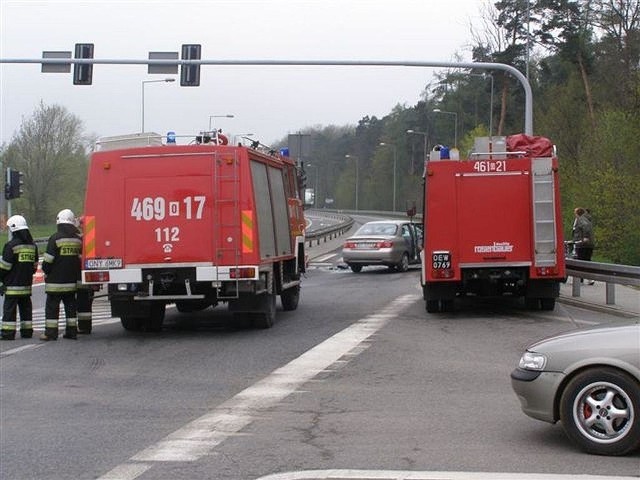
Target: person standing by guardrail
x=18, y=264
x=583, y=236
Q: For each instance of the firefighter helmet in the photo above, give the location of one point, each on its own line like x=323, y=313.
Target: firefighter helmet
x=17, y=222
x=66, y=216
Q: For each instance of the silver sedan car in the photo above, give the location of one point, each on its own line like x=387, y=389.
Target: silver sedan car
x=394, y=243
x=589, y=380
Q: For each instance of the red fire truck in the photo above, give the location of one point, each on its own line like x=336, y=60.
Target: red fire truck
x=192, y=225
x=493, y=224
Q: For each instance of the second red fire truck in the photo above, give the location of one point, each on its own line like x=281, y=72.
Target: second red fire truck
x=493, y=224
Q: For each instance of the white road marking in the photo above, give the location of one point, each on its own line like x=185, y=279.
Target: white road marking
x=415, y=475
x=13, y=351
x=324, y=258
x=126, y=471
x=201, y=436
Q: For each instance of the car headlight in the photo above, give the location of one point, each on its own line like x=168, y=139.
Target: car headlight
x=532, y=361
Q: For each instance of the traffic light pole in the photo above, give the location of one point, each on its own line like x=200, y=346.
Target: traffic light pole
x=193, y=76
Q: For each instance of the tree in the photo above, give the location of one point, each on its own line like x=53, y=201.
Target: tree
x=50, y=150
x=567, y=30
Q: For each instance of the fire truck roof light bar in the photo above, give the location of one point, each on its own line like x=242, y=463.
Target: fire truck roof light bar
x=528, y=121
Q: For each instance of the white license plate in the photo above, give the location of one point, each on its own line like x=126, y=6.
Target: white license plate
x=102, y=263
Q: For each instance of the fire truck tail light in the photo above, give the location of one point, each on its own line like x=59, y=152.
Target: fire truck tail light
x=442, y=273
x=98, y=276
x=243, y=272
x=547, y=271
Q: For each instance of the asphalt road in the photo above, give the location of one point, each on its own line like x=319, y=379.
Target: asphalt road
x=359, y=377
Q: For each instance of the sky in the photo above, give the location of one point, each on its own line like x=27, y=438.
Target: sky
x=269, y=102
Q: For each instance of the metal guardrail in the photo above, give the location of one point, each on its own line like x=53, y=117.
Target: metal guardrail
x=608, y=273
x=328, y=233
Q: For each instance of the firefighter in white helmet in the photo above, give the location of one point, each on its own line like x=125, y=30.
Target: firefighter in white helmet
x=18, y=264
x=61, y=266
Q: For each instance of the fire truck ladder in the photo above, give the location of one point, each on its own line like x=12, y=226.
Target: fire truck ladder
x=544, y=219
x=227, y=212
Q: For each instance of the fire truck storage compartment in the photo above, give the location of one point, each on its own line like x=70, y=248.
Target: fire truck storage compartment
x=271, y=210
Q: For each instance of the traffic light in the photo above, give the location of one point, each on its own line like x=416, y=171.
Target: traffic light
x=190, y=74
x=83, y=73
x=13, y=184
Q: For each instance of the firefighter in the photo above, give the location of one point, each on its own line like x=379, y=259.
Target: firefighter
x=18, y=264
x=84, y=298
x=61, y=265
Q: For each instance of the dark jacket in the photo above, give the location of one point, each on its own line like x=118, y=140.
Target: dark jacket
x=583, y=232
x=61, y=262
x=18, y=264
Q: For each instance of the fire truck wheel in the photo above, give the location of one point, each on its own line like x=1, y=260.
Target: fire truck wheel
x=532, y=303
x=290, y=298
x=443, y=305
x=156, y=318
x=355, y=268
x=267, y=317
x=547, y=303
x=403, y=265
x=433, y=306
x=131, y=324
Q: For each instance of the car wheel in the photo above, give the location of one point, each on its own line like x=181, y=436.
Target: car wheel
x=355, y=268
x=403, y=265
x=600, y=411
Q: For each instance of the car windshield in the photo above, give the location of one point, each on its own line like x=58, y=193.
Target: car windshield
x=377, y=229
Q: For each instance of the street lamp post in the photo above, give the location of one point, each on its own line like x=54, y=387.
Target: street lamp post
x=218, y=116
x=395, y=160
x=315, y=188
x=455, y=131
x=356, y=159
x=144, y=82
x=415, y=132
x=485, y=75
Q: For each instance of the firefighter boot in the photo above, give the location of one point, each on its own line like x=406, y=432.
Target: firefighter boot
x=84, y=325
x=26, y=332
x=50, y=330
x=71, y=330
x=70, y=333
x=8, y=331
x=26, y=329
